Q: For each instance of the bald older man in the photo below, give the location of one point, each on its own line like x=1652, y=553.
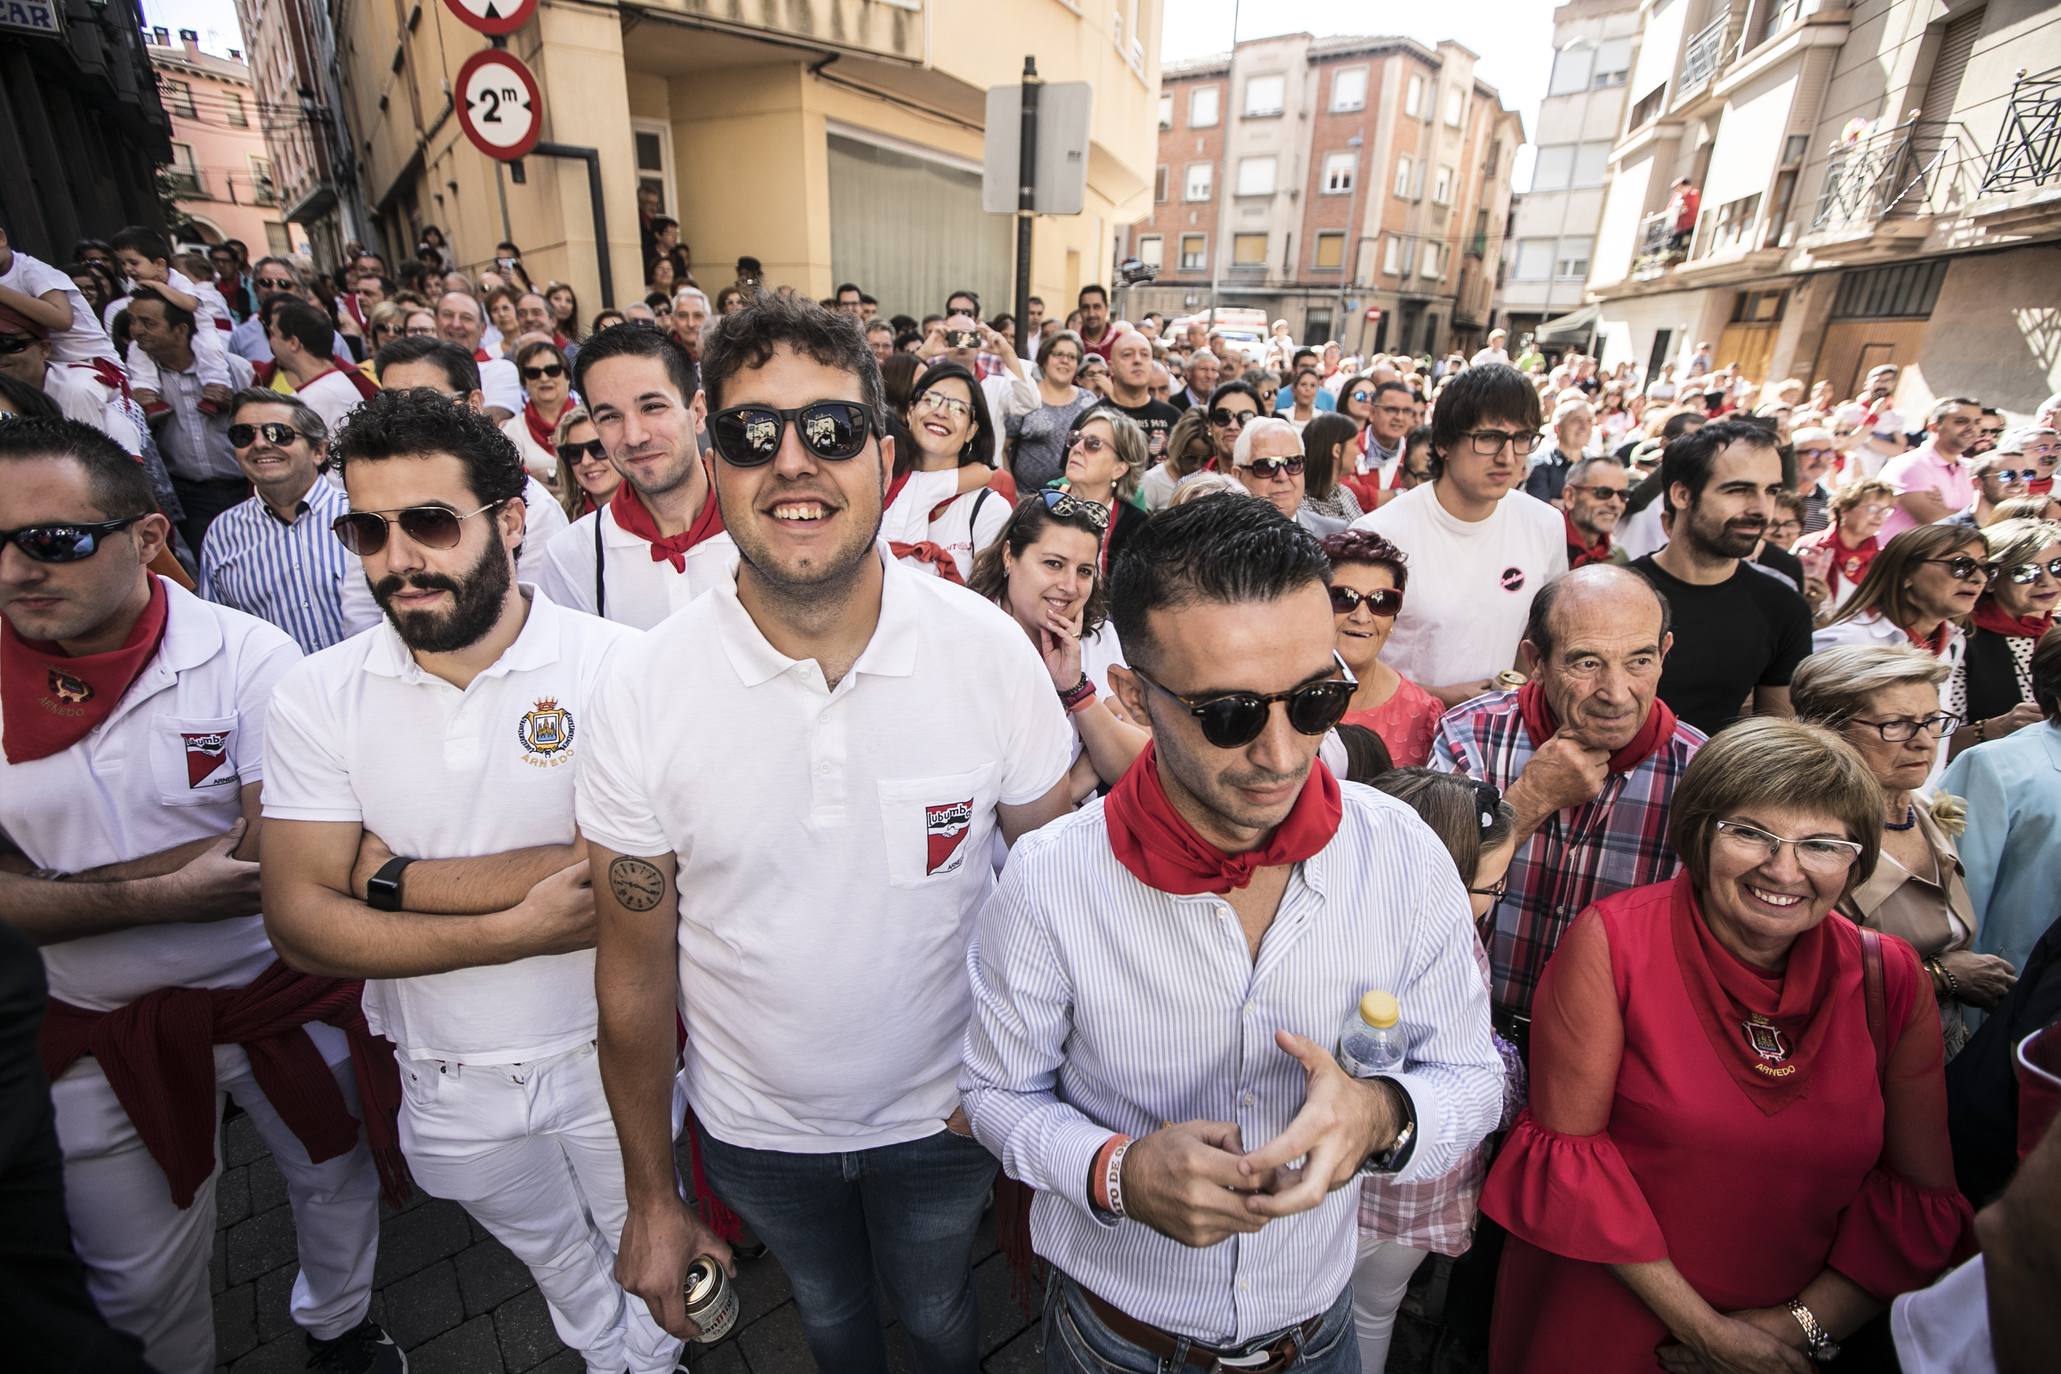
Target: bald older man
x=461, y=321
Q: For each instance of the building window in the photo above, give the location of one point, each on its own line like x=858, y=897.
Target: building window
x=1734, y=222
x=1248, y=250
x=1552, y=167
x=1263, y=96
x=1202, y=107
x=1338, y=172
x=1403, y=168
x=1256, y=176
x=261, y=181
x=179, y=98
x=1398, y=255
x=1591, y=163
x=1456, y=106
x=1572, y=264
x=1432, y=253
x=1348, y=89
x=1166, y=112
x=183, y=174
x=234, y=106
x=1194, y=252
x=1905, y=290
x=652, y=142
x=1571, y=68
x=1198, y=184
x=1330, y=251
x=1648, y=108
x=1613, y=63
x=1534, y=260
x=1152, y=250
x=1413, y=101
x=1159, y=184
x=1442, y=187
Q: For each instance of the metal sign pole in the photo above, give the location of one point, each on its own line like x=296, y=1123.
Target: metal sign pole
x=1026, y=191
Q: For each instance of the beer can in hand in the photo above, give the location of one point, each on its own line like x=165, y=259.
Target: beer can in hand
x=711, y=1300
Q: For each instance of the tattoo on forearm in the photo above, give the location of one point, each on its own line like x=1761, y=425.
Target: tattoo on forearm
x=636, y=883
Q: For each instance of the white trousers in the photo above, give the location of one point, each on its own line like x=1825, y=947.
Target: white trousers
x=1380, y=1279
x=147, y=1260
x=530, y=1151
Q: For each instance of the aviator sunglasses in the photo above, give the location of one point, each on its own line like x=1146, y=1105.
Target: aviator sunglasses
x=1233, y=719
x=364, y=532
x=749, y=436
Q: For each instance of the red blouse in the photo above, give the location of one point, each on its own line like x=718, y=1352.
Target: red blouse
x=1640, y=1143
x=1406, y=722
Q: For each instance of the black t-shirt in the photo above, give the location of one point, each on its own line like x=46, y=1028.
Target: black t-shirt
x=1748, y=631
x=1156, y=418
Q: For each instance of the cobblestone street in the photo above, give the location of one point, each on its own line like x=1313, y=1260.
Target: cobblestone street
x=459, y=1303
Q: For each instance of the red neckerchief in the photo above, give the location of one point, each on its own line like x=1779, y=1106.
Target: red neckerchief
x=632, y=517
x=1541, y=724
x=541, y=430
x=52, y=701
x=2040, y=486
x=1992, y=617
x=1727, y=993
x=1936, y=642
x=1580, y=551
x=928, y=551
x=1162, y=850
x=480, y=355
x=1850, y=564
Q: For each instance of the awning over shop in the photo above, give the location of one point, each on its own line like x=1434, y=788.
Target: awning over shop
x=1573, y=327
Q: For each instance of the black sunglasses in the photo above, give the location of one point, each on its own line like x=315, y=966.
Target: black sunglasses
x=749, y=436
x=2025, y=574
x=1386, y=601
x=2014, y=474
x=1962, y=568
x=1236, y=419
x=63, y=543
x=1267, y=468
x=1601, y=492
x=273, y=284
x=580, y=453
x=363, y=532
x=243, y=436
x=531, y=374
x=1233, y=719
x=11, y=344
x=1065, y=505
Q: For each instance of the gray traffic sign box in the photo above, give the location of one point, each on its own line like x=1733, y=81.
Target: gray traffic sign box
x=1062, y=148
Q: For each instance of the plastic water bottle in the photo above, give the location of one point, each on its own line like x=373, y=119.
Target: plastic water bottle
x=1371, y=1042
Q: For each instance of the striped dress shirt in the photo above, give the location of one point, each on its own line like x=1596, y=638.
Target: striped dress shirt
x=291, y=575
x=1102, y=1005
x=1580, y=855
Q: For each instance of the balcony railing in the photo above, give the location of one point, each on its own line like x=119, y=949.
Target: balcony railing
x=1658, y=250
x=2028, y=146
x=185, y=183
x=1912, y=169
x=1704, y=55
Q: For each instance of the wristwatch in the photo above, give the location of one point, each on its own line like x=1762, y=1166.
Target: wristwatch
x=383, y=890
x=1397, y=1154
x=1818, y=1342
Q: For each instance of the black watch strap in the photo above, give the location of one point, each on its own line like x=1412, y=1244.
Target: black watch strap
x=383, y=892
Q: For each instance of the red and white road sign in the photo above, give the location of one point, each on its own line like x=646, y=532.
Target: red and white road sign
x=499, y=107
x=1373, y=314
x=492, y=16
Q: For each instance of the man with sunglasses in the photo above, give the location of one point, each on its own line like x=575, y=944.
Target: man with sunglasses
x=1998, y=475
x=90, y=393
x=1493, y=546
x=1267, y=460
x=1593, y=502
x=472, y=923
x=659, y=542
x=193, y=441
x=134, y=748
x=1131, y=385
x=789, y=842
x=273, y=555
x=1153, y=1060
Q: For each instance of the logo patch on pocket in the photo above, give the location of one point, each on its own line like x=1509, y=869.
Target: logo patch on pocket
x=206, y=755
x=945, y=829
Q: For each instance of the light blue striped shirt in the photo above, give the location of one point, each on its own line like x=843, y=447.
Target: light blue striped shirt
x=1102, y=1005
x=291, y=575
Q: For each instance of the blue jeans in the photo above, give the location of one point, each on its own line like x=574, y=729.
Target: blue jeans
x=1077, y=1341
x=907, y=1212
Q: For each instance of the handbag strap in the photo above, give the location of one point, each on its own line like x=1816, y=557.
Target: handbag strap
x=600, y=571
x=1877, y=1002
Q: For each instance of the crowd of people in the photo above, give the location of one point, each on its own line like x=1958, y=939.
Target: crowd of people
x=491, y=746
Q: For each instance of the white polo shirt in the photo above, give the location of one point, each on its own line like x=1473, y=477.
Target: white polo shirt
x=637, y=589
x=361, y=734
x=832, y=847
x=333, y=396
x=167, y=768
x=543, y=518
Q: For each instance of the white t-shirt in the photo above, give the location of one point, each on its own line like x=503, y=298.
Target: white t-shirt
x=333, y=396
x=907, y=520
x=543, y=519
x=360, y=734
x=82, y=396
x=1471, y=584
x=85, y=339
x=968, y=525
x=832, y=848
x=167, y=768
x=637, y=589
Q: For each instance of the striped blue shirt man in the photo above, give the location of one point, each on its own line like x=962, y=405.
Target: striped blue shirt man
x=288, y=573
x=1102, y=1005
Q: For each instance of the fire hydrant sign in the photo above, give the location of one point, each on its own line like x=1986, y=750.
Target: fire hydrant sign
x=492, y=16
x=499, y=107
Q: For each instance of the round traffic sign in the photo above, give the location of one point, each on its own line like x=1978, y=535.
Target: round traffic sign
x=499, y=107
x=492, y=16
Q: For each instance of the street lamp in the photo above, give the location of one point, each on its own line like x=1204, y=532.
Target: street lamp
x=1348, y=270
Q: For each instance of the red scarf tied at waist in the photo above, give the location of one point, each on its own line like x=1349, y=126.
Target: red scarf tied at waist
x=52, y=701
x=1165, y=853
x=1541, y=724
x=1994, y=618
x=158, y=1055
x=633, y=517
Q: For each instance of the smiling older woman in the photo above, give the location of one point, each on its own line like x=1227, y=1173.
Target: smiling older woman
x=1735, y=1148
x=1368, y=575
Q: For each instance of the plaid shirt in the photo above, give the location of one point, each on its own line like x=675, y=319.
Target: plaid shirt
x=1575, y=859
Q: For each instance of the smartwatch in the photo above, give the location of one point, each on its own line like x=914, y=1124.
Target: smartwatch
x=383, y=891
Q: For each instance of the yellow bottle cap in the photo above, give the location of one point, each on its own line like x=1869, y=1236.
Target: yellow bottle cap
x=1379, y=1009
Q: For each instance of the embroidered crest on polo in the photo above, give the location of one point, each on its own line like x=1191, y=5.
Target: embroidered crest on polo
x=945, y=830
x=207, y=754
x=546, y=732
